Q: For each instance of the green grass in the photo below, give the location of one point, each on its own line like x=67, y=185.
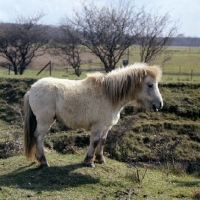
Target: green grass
x=68, y=178
x=32, y=73
x=183, y=60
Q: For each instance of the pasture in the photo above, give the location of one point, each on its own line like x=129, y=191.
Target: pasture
x=68, y=178
x=183, y=65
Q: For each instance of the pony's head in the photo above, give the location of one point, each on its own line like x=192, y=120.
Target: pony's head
x=149, y=95
x=136, y=82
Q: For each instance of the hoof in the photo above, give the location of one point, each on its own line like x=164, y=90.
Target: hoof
x=44, y=165
x=102, y=162
x=100, y=159
x=90, y=165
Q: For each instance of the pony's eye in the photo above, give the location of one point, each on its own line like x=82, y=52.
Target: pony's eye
x=150, y=85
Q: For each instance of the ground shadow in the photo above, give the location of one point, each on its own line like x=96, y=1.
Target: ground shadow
x=53, y=178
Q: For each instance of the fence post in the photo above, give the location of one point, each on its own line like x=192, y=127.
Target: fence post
x=49, y=63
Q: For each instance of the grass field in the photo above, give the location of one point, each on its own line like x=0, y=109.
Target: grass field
x=68, y=178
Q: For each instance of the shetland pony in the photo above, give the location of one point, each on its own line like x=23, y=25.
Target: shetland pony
x=94, y=103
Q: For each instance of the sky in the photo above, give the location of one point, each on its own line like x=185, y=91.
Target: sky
x=185, y=12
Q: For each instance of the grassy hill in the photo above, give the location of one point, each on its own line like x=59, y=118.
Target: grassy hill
x=135, y=132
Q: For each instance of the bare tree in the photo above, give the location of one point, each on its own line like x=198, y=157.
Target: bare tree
x=23, y=40
x=156, y=32
x=67, y=45
x=107, y=31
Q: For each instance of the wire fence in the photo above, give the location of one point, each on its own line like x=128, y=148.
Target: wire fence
x=51, y=67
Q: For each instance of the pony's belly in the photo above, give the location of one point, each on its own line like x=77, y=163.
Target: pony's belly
x=75, y=125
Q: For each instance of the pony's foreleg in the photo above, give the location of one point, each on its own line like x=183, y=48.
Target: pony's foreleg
x=94, y=141
x=99, y=150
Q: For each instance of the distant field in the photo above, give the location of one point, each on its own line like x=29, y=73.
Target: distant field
x=184, y=65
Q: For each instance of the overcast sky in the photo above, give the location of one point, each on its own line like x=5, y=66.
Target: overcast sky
x=187, y=12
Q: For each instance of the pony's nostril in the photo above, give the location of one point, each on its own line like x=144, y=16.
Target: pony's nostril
x=155, y=108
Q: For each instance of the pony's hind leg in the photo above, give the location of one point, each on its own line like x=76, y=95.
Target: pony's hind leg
x=39, y=135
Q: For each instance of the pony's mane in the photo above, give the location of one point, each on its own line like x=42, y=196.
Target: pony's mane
x=122, y=82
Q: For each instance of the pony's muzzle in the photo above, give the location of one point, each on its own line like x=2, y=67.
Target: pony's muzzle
x=158, y=106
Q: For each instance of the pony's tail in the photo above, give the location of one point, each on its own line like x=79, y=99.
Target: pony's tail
x=30, y=124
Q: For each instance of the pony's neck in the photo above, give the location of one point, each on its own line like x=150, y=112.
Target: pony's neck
x=122, y=103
